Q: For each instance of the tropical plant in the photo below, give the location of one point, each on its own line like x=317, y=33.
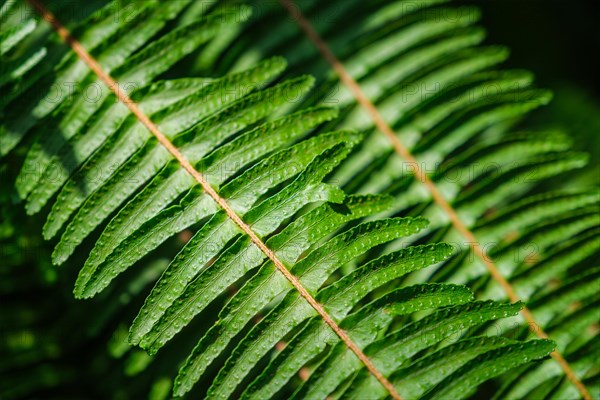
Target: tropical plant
x=365, y=250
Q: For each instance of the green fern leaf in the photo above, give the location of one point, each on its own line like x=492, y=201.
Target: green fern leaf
x=293, y=273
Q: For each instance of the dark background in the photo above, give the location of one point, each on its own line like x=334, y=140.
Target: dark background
x=559, y=41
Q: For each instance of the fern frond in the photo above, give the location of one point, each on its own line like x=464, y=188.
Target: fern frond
x=278, y=255
x=435, y=100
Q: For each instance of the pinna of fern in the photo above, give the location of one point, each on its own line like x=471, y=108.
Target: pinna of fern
x=269, y=164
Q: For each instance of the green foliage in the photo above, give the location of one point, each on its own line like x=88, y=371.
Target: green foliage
x=517, y=189
x=300, y=174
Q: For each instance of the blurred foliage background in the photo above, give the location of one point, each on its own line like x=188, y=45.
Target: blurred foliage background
x=559, y=41
x=45, y=335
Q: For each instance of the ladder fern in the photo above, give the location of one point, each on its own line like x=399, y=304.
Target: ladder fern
x=268, y=154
